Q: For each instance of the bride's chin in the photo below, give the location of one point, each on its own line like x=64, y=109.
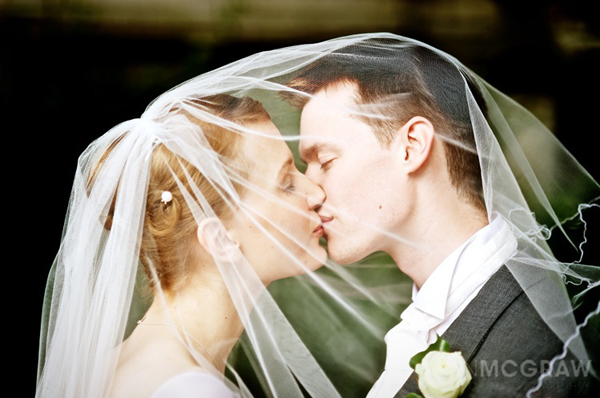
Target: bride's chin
x=318, y=258
x=312, y=260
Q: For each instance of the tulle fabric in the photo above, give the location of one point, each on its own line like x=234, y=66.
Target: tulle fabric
x=319, y=334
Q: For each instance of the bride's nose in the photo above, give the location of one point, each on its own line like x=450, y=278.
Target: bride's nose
x=315, y=196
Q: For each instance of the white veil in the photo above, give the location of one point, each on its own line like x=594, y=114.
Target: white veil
x=318, y=334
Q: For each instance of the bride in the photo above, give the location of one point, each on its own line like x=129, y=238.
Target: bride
x=182, y=251
x=198, y=200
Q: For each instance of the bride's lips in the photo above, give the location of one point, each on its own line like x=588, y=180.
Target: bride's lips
x=319, y=231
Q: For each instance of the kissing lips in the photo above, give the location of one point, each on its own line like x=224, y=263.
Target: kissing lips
x=325, y=220
x=319, y=231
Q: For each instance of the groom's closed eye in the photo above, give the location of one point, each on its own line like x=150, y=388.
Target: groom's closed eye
x=326, y=160
x=317, y=150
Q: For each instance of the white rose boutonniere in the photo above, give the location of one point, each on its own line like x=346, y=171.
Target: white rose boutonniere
x=442, y=374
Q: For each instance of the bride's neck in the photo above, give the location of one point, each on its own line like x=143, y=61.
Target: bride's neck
x=207, y=314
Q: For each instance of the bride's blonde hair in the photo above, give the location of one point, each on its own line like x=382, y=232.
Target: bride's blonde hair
x=167, y=250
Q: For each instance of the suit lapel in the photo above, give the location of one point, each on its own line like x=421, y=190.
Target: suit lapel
x=470, y=329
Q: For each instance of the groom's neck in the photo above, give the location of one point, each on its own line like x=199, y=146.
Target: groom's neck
x=433, y=235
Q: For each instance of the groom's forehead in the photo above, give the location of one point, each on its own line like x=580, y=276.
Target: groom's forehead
x=328, y=113
x=342, y=94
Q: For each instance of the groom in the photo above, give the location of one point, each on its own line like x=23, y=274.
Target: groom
x=403, y=184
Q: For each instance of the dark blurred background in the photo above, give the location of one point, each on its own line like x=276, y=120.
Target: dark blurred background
x=70, y=70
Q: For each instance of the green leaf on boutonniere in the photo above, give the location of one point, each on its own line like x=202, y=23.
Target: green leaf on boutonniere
x=439, y=345
x=412, y=395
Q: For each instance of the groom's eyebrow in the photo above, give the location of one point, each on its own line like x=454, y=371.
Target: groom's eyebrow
x=312, y=150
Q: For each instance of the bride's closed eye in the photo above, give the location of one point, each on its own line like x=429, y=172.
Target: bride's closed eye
x=289, y=186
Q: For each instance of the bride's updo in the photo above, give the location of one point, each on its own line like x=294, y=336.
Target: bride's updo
x=167, y=251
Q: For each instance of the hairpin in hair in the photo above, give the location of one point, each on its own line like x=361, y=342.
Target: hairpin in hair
x=166, y=197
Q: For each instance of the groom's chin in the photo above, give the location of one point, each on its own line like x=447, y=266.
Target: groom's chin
x=342, y=256
x=345, y=248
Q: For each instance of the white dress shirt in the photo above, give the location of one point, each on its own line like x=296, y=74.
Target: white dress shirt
x=441, y=299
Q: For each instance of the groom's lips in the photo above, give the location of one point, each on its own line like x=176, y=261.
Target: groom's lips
x=325, y=220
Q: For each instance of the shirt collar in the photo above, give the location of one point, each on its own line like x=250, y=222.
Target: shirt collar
x=433, y=296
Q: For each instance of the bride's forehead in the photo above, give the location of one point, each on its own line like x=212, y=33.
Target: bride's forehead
x=264, y=144
x=264, y=129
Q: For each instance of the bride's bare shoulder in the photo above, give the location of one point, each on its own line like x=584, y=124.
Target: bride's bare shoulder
x=143, y=368
x=193, y=385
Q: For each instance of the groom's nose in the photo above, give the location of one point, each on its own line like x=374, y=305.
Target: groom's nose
x=312, y=174
x=315, y=196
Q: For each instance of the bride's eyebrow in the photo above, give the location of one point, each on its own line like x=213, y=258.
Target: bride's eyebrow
x=285, y=167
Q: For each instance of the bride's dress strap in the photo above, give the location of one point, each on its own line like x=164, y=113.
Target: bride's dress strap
x=193, y=385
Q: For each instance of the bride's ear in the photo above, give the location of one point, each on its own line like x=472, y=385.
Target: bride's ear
x=416, y=140
x=215, y=240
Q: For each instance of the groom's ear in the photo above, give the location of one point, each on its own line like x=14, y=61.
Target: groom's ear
x=213, y=237
x=415, y=139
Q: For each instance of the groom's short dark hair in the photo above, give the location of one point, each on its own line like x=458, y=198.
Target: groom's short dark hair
x=400, y=81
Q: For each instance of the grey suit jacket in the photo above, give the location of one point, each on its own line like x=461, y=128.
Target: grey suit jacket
x=507, y=345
